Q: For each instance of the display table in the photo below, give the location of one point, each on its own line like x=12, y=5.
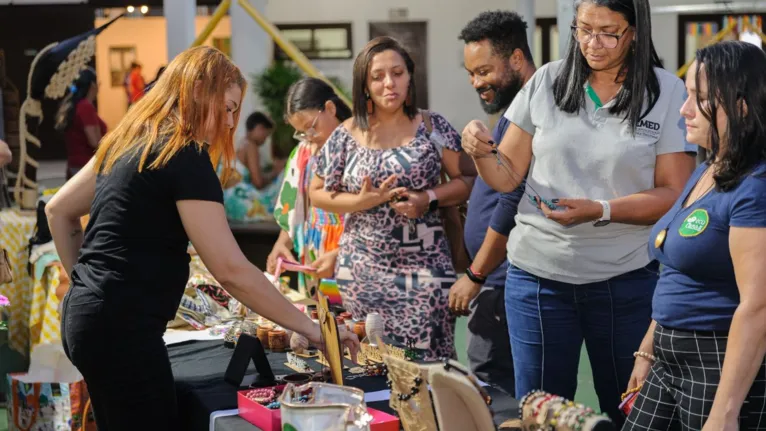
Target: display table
x=199, y=367
x=16, y=228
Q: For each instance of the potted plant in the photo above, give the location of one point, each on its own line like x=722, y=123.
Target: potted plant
x=271, y=87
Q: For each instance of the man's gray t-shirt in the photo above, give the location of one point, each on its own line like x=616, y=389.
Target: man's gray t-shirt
x=590, y=154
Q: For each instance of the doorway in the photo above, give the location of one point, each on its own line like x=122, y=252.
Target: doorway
x=413, y=36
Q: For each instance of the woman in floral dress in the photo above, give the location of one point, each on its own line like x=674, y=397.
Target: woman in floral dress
x=314, y=110
x=382, y=169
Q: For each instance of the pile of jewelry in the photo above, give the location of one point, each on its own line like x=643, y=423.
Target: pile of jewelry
x=268, y=397
x=552, y=412
x=264, y=396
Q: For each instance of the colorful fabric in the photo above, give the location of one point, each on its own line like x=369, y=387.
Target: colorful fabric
x=245, y=203
x=15, y=230
x=389, y=264
x=48, y=406
x=313, y=231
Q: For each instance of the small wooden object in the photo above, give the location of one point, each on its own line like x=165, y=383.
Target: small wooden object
x=263, y=334
x=277, y=340
x=330, y=336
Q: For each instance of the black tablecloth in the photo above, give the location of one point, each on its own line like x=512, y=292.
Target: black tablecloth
x=199, y=367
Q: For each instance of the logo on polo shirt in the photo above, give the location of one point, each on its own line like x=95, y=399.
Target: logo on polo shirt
x=694, y=224
x=648, y=129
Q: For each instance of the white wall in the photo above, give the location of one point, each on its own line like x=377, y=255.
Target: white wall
x=448, y=88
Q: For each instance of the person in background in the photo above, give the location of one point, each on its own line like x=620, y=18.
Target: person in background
x=381, y=168
x=253, y=193
x=259, y=128
x=499, y=63
x=136, y=83
x=151, y=188
x=78, y=119
x=601, y=137
x=6, y=157
x=314, y=111
x=704, y=352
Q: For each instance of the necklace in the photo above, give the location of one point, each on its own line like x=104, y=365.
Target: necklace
x=691, y=199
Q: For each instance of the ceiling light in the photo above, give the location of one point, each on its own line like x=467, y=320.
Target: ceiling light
x=131, y=9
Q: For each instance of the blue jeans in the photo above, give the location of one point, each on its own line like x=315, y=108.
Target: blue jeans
x=548, y=320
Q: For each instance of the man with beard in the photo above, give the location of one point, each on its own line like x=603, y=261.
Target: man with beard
x=499, y=63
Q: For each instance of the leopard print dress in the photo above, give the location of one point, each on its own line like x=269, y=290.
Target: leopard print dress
x=387, y=263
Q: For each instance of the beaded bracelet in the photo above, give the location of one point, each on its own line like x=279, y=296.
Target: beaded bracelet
x=630, y=391
x=261, y=395
x=645, y=355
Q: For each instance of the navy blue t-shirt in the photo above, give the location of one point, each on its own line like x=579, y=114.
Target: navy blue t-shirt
x=697, y=289
x=488, y=208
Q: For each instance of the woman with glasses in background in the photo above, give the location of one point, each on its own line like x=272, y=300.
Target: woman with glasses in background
x=602, y=141
x=314, y=110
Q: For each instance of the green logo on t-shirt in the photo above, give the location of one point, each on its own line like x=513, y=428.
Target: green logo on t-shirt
x=694, y=224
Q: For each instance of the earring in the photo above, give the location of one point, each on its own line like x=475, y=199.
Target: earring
x=370, y=105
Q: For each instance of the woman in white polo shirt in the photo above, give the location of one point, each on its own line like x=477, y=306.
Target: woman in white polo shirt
x=602, y=144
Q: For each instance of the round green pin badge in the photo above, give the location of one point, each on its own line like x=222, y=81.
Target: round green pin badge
x=694, y=224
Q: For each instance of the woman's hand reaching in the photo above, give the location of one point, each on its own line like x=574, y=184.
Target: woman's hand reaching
x=347, y=339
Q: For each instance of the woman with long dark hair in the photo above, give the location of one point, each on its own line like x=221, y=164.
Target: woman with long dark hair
x=78, y=119
x=707, y=340
x=149, y=190
x=601, y=140
x=314, y=111
x=382, y=169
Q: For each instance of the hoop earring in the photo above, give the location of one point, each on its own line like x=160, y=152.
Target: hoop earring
x=370, y=105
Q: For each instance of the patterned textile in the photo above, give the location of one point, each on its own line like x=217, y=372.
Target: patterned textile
x=678, y=393
x=16, y=228
x=244, y=203
x=389, y=264
x=44, y=318
x=313, y=231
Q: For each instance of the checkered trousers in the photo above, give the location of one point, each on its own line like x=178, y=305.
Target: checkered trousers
x=679, y=390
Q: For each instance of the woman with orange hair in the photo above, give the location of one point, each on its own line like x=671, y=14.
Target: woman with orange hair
x=150, y=189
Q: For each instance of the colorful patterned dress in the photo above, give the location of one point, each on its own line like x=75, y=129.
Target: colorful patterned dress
x=245, y=203
x=389, y=264
x=313, y=231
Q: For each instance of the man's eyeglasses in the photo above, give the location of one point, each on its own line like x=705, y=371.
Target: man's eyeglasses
x=310, y=132
x=607, y=40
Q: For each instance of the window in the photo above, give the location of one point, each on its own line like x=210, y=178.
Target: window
x=120, y=58
x=317, y=41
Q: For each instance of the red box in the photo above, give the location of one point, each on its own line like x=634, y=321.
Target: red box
x=271, y=420
x=383, y=421
x=258, y=415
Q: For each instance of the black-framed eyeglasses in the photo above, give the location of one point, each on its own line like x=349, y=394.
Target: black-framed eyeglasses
x=607, y=40
x=310, y=132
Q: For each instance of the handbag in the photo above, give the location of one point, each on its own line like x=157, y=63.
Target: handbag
x=323, y=407
x=453, y=217
x=49, y=406
x=6, y=276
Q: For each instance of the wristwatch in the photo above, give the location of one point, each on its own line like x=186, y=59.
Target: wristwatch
x=433, y=203
x=606, y=214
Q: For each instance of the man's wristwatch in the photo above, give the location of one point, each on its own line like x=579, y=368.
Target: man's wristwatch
x=433, y=203
x=606, y=214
